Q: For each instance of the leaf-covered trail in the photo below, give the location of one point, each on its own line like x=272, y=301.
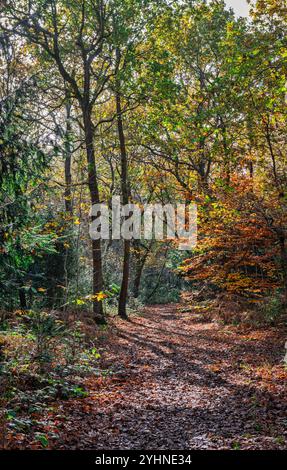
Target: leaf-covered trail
x=181, y=384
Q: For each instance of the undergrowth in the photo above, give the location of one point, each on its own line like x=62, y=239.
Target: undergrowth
x=42, y=359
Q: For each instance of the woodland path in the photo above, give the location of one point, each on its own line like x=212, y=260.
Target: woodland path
x=181, y=383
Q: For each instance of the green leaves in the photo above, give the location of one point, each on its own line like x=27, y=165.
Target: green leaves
x=42, y=438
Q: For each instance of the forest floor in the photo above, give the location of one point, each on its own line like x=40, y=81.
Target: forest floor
x=180, y=383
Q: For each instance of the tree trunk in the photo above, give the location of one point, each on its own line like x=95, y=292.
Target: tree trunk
x=125, y=198
x=226, y=158
x=140, y=260
x=22, y=299
x=283, y=255
x=68, y=163
x=122, y=310
x=137, y=280
x=94, y=196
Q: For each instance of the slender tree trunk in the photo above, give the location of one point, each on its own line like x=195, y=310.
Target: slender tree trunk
x=68, y=162
x=122, y=311
x=283, y=255
x=140, y=260
x=22, y=299
x=273, y=157
x=252, y=145
x=137, y=280
x=125, y=198
x=67, y=192
x=226, y=164
x=94, y=196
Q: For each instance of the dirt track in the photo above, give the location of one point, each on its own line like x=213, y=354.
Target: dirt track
x=182, y=384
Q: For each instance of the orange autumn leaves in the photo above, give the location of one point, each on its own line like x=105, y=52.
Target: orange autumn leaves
x=239, y=254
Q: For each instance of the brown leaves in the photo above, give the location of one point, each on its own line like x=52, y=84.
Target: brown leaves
x=180, y=384
x=177, y=384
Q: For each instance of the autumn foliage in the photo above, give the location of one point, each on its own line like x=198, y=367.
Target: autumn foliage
x=240, y=253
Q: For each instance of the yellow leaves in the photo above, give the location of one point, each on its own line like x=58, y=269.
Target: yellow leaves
x=99, y=297
x=201, y=308
x=41, y=289
x=183, y=268
x=19, y=312
x=77, y=221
